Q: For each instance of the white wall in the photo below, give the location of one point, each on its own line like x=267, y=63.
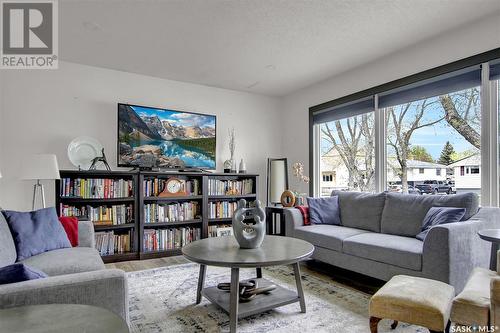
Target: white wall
x=457, y=44
x=44, y=110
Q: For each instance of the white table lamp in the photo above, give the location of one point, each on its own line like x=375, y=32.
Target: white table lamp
x=39, y=167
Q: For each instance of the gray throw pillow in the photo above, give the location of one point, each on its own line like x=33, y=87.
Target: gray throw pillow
x=440, y=215
x=36, y=232
x=324, y=210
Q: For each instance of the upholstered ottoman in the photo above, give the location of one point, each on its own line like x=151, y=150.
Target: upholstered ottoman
x=413, y=300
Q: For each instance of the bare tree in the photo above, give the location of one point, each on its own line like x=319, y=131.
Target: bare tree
x=463, y=113
x=354, y=142
x=405, y=120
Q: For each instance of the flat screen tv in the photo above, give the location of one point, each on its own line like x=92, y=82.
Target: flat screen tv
x=152, y=137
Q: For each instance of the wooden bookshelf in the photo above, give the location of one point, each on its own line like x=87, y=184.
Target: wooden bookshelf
x=138, y=200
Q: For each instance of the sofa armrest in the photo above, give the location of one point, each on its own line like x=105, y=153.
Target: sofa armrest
x=86, y=236
x=104, y=288
x=451, y=251
x=293, y=219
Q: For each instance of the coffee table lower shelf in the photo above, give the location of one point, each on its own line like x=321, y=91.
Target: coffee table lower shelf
x=261, y=303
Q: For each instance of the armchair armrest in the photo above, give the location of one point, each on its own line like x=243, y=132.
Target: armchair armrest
x=104, y=288
x=86, y=234
x=293, y=219
x=451, y=251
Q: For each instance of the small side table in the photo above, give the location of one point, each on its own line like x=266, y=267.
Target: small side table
x=275, y=220
x=493, y=236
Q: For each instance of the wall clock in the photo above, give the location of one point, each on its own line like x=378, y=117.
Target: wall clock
x=174, y=187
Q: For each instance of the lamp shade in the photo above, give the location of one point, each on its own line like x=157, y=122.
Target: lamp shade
x=40, y=166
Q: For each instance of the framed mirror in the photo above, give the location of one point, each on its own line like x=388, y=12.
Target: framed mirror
x=277, y=179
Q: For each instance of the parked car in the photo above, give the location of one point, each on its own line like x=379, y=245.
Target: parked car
x=434, y=187
x=399, y=189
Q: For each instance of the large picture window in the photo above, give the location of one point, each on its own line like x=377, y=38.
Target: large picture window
x=428, y=134
x=436, y=135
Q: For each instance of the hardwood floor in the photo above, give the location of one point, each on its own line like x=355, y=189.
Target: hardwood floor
x=350, y=279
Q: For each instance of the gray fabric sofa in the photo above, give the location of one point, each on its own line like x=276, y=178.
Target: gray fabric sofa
x=377, y=236
x=76, y=276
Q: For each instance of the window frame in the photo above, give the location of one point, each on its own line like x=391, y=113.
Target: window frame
x=489, y=126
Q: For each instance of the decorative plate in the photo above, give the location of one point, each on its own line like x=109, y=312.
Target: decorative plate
x=82, y=150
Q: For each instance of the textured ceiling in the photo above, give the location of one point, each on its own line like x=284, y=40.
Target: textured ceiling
x=271, y=47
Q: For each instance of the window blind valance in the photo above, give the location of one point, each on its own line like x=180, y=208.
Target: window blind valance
x=346, y=110
x=443, y=84
x=495, y=71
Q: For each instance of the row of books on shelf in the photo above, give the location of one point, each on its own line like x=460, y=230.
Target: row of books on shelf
x=230, y=187
x=96, y=188
x=153, y=187
x=169, y=239
x=220, y=230
x=173, y=212
x=109, y=243
x=221, y=209
x=102, y=215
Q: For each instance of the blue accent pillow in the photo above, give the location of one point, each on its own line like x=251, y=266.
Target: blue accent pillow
x=440, y=215
x=324, y=210
x=19, y=273
x=36, y=232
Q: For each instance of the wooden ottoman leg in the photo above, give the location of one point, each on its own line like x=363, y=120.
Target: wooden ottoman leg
x=374, y=324
x=394, y=324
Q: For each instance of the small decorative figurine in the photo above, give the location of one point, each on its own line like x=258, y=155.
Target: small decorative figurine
x=249, y=236
x=98, y=159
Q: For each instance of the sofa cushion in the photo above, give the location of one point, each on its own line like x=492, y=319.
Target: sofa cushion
x=67, y=261
x=8, y=252
x=361, y=210
x=36, y=232
x=403, y=214
x=399, y=251
x=324, y=210
x=327, y=236
x=472, y=305
x=18, y=273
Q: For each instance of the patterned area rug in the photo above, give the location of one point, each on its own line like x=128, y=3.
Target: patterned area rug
x=162, y=300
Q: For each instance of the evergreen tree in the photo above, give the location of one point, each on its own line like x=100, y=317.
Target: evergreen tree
x=447, y=153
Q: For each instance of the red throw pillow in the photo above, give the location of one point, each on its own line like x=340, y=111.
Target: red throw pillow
x=70, y=225
x=305, y=214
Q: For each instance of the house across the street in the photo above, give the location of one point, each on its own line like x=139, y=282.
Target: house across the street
x=467, y=172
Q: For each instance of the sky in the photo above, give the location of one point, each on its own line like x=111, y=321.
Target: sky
x=178, y=118
x=432, y=138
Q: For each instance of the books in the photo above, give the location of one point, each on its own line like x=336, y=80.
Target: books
x=221, y=209
x=169, y=239
x=220, y=230
x=230, y=187
x=173, y=212
x=153, y=187
x=96, y=188
x=102, y=215
x=109, y=243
